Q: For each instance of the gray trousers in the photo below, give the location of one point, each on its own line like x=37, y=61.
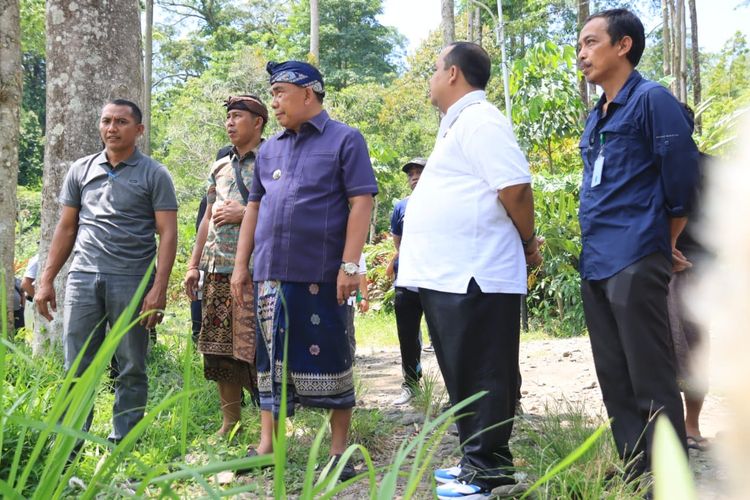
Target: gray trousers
x=92, y=302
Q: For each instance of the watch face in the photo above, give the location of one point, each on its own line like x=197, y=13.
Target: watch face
x=350, y=268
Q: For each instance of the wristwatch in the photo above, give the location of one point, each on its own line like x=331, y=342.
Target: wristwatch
x=349, y=268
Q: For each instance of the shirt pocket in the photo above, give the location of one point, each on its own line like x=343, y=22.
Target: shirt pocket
x=621, y=150
x=319, y=170
x=586, y=144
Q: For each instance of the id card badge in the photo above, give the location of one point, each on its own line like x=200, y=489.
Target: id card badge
x=596, y=177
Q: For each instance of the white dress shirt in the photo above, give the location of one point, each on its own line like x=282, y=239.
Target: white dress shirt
x=455, y=227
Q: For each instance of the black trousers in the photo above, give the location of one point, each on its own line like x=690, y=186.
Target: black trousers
x=408, y=308
x=628, y=325
x=476, y=337
x=196, y=318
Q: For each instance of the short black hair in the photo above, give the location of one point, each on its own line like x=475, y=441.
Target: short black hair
x=134, y=109
x=622, y=23
x=472, y=60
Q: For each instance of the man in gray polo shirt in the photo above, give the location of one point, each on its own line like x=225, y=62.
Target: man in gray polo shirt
x=113, y=204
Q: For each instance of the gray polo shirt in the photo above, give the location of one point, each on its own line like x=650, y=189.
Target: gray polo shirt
x=116, y=222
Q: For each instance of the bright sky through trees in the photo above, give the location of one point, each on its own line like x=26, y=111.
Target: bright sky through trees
x=717, y=20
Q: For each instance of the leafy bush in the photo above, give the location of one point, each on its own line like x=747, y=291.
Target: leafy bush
x=546, y=104
x=379, y=285
x=554, y=288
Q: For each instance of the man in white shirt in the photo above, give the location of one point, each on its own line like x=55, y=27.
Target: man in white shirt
x=468, y=258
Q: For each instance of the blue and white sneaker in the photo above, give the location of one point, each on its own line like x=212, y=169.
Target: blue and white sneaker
x=464, y=491
x=448, y=475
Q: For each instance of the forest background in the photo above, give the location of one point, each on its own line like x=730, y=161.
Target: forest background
x=205, y=50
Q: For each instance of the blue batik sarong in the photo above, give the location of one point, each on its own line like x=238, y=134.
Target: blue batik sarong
x=319, y=364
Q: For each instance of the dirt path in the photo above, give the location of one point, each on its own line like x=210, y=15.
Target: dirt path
x=554, y=371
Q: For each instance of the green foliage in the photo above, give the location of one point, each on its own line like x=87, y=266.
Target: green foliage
x=33, y=112
x=30, y=150
x=27, y=222
x=726, y=95
x=190, y=131
x=554, y=297
x=378, y=256
x=354, y=46
x=672, y=476
x=567, y=452
x=546, y=104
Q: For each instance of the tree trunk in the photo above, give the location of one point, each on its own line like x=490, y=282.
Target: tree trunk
x=470, y=35
x=478, y=25
x=447, y=23
x=147, y=75
x=666, y=38
x=10, y=106
x=315, y=31
x=683, y=51
x=583, y=87
x=676, y=48
x=696, y=63
x=93, y=55
x=373, y=222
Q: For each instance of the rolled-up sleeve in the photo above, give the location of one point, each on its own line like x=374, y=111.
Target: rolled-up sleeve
x=673, y=147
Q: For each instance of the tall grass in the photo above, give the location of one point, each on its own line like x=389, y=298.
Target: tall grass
x=42, y=414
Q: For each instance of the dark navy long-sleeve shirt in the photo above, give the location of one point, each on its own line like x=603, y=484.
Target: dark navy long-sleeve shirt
x=649, y=175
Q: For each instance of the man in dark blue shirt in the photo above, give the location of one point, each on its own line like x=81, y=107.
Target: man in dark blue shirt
x=406, y=303
x=640, y=171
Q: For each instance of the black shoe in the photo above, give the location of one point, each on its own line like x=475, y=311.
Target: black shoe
x=347, y=472
x=74, y=453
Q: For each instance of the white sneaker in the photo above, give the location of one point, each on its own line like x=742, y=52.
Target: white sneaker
x=448, y=475
x=466, y=491
x=405, y=396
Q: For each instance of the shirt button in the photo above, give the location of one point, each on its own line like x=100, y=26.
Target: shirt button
x=276, y=174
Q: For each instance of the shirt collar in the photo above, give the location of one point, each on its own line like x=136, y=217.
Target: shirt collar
x=455, y=109
x=131, y=161
x=318, y=122
x=253, y=152
x=624, y=94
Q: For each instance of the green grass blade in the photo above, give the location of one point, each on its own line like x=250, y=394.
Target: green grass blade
x=568, y=460
x=119, y=452
x=213, y=468
x=329, y=481
x=17, y=455
x=421, y=463
x=8, y=492
x=187, y=377
x=77, y=400
x=3, y=342
x=672, y=476
x=389, y=481
x=312, y=459
x=279, y=437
